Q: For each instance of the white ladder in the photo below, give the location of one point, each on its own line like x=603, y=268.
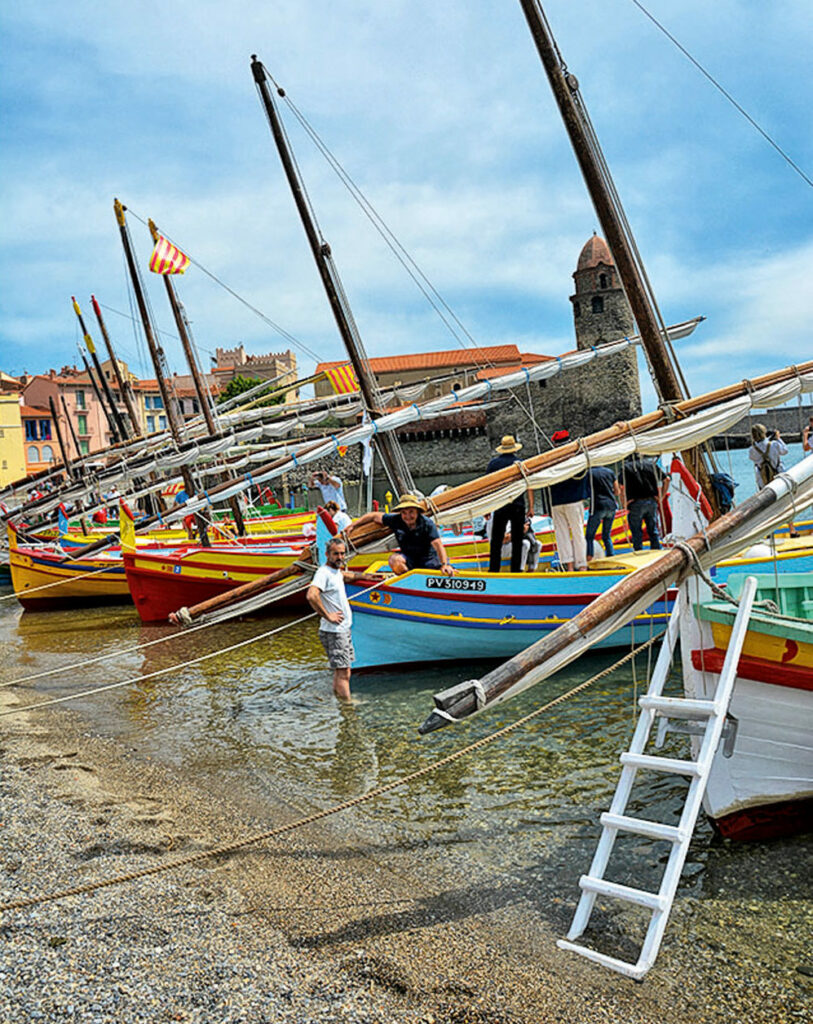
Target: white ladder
x=711, y=713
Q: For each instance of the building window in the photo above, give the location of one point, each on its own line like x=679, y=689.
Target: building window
x=5, y=464
x=84, y=447
x=154, y=402
x=82, y=424
x=577, y=309
x=47, y=453
x=602, y=280
x=80, y=399
x=151, y=424
x=45, y=430
x=162, y=423
x=33, y=454
x=31, y=430
x=195, y=405
x=597, y=304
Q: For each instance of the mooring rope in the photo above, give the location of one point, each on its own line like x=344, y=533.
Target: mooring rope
x=239, y=844
x=57, y=583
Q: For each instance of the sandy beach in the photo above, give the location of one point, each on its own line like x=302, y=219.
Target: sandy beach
x=319, y=926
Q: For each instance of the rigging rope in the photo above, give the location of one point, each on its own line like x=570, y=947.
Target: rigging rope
x=724, y=92
x=239, y=844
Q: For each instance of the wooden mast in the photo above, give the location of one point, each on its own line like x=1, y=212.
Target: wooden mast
x=617, y=232
x=391, y=455
x=98, y=393
x=158, y=359
x=124, y=386
x=62, y=446
x=116, y=422
x=203, y=393
x=70, y=428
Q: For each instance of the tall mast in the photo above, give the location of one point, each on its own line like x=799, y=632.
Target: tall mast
x=124, y=386
x=116, y=423
x=614, y=224
x=62, y=446
x=203, y=393
x=70, y=428
x=98, y=394
x=391, y=454
x=158, y=358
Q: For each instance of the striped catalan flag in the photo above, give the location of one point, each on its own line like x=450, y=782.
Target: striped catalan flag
x=343, y=379
x=167, y=259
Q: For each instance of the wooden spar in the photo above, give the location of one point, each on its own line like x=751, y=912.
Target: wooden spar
x=484, y=485
x=117, y=426
x=393, y=459
x=202, y=391
x=158, y=360
x=70, y=427
x=111, y=425
x=614, y=224
x=62, y=446
x=124, y=386
x=670, y=568
x=240, y=593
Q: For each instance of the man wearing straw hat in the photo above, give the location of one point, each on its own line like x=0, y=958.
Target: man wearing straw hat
x=418, y=537
x=513, y=513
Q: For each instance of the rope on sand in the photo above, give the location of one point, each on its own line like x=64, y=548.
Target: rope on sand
x=239, y=844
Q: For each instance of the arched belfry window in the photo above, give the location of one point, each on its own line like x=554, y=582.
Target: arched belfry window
x=602, y=280
x=577, y=309
x=597, y=304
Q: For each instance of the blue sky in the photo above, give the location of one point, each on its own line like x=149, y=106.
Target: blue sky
x=442, y=114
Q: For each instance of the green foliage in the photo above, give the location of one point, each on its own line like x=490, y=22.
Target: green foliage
x=239, y=384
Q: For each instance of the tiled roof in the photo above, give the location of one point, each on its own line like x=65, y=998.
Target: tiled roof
x=499, y=354
x=35, y=410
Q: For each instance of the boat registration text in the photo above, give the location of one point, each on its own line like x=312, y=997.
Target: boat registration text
x=454, y=583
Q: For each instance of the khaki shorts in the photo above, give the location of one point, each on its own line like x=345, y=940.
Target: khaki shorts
x=338, y=647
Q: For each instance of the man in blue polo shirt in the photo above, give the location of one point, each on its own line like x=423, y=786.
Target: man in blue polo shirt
x=418, y=537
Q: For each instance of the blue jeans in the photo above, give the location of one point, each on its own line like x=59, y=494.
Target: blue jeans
x=605, y=518
x=644, y=510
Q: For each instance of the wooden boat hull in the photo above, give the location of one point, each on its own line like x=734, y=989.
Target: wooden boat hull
x=765, y=788
x=425, y=617
x=42, y=581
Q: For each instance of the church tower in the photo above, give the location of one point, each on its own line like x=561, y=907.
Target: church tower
x=601, y=312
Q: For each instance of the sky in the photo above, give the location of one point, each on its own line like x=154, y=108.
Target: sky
x=443, y=116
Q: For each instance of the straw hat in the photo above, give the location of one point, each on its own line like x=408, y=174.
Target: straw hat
x=509, y=444
x=409, y=501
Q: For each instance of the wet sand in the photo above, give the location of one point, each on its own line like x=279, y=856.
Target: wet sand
x=326, y=925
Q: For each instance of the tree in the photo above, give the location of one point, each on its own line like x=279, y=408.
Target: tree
x=239, y=384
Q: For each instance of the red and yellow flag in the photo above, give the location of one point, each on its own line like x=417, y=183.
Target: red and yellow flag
x=167, y=259
x=343, y=379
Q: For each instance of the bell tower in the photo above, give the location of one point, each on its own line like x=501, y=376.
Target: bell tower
x=601, y=312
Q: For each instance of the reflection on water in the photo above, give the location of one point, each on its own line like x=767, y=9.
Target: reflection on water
x=262, y=719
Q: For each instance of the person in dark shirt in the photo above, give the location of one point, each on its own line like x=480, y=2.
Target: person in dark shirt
x=643, y=486
x=513, y=512
x=418, y=537
x=604, y=494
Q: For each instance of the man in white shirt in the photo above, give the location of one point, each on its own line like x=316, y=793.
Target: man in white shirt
x=326, y=595
x=331, y=487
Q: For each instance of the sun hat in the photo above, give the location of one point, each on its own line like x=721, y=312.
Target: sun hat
x=560, y=435
x=509, y=444
x=409, y=501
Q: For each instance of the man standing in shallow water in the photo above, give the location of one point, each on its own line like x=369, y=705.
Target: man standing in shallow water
x=327, y=596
